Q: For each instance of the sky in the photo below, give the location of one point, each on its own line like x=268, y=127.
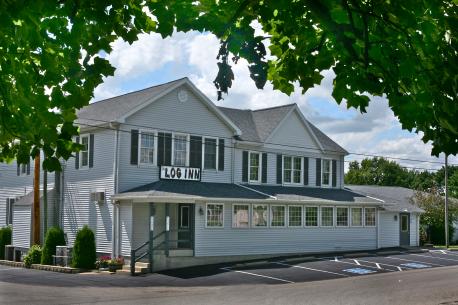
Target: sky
x=152, y=60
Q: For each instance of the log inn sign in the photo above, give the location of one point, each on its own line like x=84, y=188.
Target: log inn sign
x=180, y=173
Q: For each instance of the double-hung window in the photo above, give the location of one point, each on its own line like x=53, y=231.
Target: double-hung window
x=147, y=147
x=342, y=217
x=9, y=211
x=84, y=152
x=254, y=167
x=210, y=153
x=277, y=215
x=311, y=216
x=180, y=149
x=369, y=215
x=294, y=215
x=259, y=215
x=356, y=217
x=327, y=216
x=240, y=215
x=23, y=169
x=326, y=175
x=292, y=169
x=215, y=215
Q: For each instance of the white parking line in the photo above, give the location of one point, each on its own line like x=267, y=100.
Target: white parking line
x=414, y=261
x=443, y=258
x=361, y=265
x=443, y=252
x=259, y=275
x=378, y=264
x=356, y=262
x=312, y=269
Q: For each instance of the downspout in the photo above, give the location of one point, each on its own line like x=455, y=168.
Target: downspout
x=115, y=229
x=233, y=161
x=377, y=238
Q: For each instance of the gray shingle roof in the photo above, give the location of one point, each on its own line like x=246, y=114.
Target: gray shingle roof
x=398, y=198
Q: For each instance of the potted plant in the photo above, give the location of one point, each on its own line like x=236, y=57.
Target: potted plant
x=102, y=262
x=115, y=263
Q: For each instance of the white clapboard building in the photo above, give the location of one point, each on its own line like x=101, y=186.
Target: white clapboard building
x=166, y=168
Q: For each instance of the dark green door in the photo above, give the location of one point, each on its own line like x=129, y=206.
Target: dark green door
x=185, y=225
x=404, y=228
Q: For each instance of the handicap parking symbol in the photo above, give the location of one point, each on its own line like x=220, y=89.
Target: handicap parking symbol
x=359, y=271
x=415, y=265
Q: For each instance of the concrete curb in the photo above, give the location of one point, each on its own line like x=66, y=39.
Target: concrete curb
x=250, y=264
x=388, y=252
x=299, y=259
x=417, y=251
x=358, y=254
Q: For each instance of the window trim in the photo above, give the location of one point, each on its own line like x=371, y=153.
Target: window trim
x=259, y=167
x=362, y=216
x=285, y=219
x=348, y=216
x=150, y=131
x=318, y=215
x=216, y=157
x=375, y=217
x=330, y=173
x=333, y=216
x=187, y=148
x=249, y=216
x=206, y=216
x=302, y=215
x=292, y=183
x=88, y=136
x=407, y=223
x=21, y=166
x=9, y=209
x=252, y=216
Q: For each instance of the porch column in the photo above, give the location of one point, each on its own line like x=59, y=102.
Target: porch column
x=167, y=228
x=151, y=236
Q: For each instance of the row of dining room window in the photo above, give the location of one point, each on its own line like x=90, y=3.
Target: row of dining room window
x=276, y=215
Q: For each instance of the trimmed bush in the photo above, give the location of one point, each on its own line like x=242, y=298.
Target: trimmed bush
x=54, y=237
x=84, y=254
x=5, y=239
x=33, y=256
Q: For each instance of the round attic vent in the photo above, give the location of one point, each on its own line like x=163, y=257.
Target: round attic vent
x=182, y=96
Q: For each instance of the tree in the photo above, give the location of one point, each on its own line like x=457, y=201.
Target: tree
x=84, y=250
x=50, y=58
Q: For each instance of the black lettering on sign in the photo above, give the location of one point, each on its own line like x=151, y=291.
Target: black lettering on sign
x=166, y=173
x=197, y=176
x=191, y=174
x=178, y=173
x=172, y=172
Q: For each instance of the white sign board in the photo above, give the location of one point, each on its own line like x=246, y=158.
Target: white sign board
x=180, y=173
x=151, y=223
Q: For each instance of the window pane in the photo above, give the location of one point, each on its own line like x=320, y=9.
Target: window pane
x=215, y=215
x=146, y=148
x=370, y=216
x=254, y=167
x=326, y=172
x=240, y=216
x=84, y=151
x=342, y=217
x=180, y=150
x=294, y=216
x=287, y=169
x=356, y=217
x=210, y=153
x=259, y=218
x=327, y=214
x=277, y=216
x=404, y=223
x=23, y=168
x=311, y=216
x=184, y=221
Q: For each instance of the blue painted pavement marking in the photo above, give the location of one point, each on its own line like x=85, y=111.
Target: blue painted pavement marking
x=359, y=271
x=416, y=265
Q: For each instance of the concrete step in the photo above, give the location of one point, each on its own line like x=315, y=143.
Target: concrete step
x=140, y=267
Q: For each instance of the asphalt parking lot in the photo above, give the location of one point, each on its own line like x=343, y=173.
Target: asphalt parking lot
x=306, y=269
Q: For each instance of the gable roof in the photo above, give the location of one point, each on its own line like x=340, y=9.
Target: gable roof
x=258, y=125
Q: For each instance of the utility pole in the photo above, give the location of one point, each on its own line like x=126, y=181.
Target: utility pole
x=446, y=204
x=36, y=202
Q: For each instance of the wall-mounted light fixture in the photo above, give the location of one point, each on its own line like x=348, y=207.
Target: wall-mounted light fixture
x=201, y=211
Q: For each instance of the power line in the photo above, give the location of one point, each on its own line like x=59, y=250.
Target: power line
x=271, y=143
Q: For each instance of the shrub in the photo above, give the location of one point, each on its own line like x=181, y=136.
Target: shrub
x=5, y=239
x=84, y=255
x=33, y=256
x=54, y=237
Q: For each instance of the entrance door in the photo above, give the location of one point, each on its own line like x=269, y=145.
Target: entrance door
x=185, y=225
x=404, y=228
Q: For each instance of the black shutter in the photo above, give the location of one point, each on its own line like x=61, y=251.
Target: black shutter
x=195, y=152
x=306, y=171
x=134, y=147
x=245, y=166
x=7, y=211
x=28, y=168
x=91, y=150
x=318, y=172
x=164, y=148
x=18, y=168
x=77, y=155
x=221, y=150
x=334, y=173
x=264, y=168
x=279, y=169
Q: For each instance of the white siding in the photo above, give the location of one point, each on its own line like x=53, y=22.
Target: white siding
x=125, y=224
x=389, y=229
x=21, y=226
x=414, y=233
x=229, y=241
